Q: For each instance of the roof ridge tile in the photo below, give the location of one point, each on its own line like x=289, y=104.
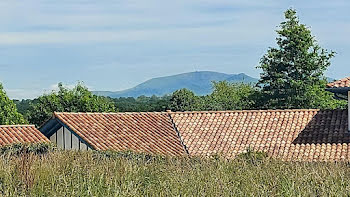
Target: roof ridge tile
x=249, y=110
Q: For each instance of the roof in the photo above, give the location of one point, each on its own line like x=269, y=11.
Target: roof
x=291, y=135
x=308, y=135
x=139, y=132
x=342, y=83
x=11, y=134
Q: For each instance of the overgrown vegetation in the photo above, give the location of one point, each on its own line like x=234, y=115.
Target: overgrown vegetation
x=95, y=174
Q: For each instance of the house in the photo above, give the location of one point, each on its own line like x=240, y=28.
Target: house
x=139, y=132
x=290, y=135
x=341, y=88
x=307, y=135
x=13, y=134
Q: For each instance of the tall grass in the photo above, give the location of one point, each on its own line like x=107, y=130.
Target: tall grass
x=64, y=173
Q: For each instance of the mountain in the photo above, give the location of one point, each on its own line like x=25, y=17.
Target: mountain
x=199, y=82
x=330, y=79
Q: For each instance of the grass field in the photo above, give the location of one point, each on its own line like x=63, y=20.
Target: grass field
x=95, y=174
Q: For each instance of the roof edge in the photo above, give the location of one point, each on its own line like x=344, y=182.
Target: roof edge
x=250, y=110
x=339, y=90
x=75, y=133
x=172, y=112
x=55, y=114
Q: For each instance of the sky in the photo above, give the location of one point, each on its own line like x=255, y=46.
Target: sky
x=114, y=45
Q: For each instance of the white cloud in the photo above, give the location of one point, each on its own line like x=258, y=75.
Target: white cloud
x=84, y=21
x=212, y=30
x=34, y=93
x=212, y=35
x=22, y=93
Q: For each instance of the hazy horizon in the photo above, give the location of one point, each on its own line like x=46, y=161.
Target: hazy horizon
x=117, y=45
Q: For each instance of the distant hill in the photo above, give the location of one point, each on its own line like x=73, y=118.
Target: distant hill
x=198, y=82
x=330, y=79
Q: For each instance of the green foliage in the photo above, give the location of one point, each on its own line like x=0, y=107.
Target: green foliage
x=294, y=72
x=73, y=173
x=225, y=96
x=78, y=99
x=22, y=105
x=184, y=100
x=321, y=99
x=230, y=96
x=8, y=110
x=142, y=104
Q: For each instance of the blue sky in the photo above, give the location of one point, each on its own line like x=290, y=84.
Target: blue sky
x=114, y=45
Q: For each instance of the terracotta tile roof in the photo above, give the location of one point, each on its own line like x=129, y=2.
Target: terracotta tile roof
x=342, y=83
x=12, y=134
x=298, y=135
x=306, y=135
x=139, y=132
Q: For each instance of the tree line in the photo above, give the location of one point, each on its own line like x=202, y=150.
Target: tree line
x=292, y=77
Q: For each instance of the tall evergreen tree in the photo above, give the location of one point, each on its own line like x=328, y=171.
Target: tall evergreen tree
x=8, y=110
x=294, y=71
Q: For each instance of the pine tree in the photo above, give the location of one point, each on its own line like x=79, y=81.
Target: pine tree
x=294, y=71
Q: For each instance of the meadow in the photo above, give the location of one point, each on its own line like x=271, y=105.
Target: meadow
x=68, y=173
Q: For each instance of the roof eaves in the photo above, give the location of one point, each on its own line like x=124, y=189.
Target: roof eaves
x=339, y=90
x=73, y=132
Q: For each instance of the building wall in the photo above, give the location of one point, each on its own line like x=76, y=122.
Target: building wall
x=64, y=139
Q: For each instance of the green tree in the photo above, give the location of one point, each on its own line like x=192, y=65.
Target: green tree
x=8, y=110
x=230, y=96
x=184, y=100
x=323, y=99
x=294, y=71
x=142, y=103
x=78, y=99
